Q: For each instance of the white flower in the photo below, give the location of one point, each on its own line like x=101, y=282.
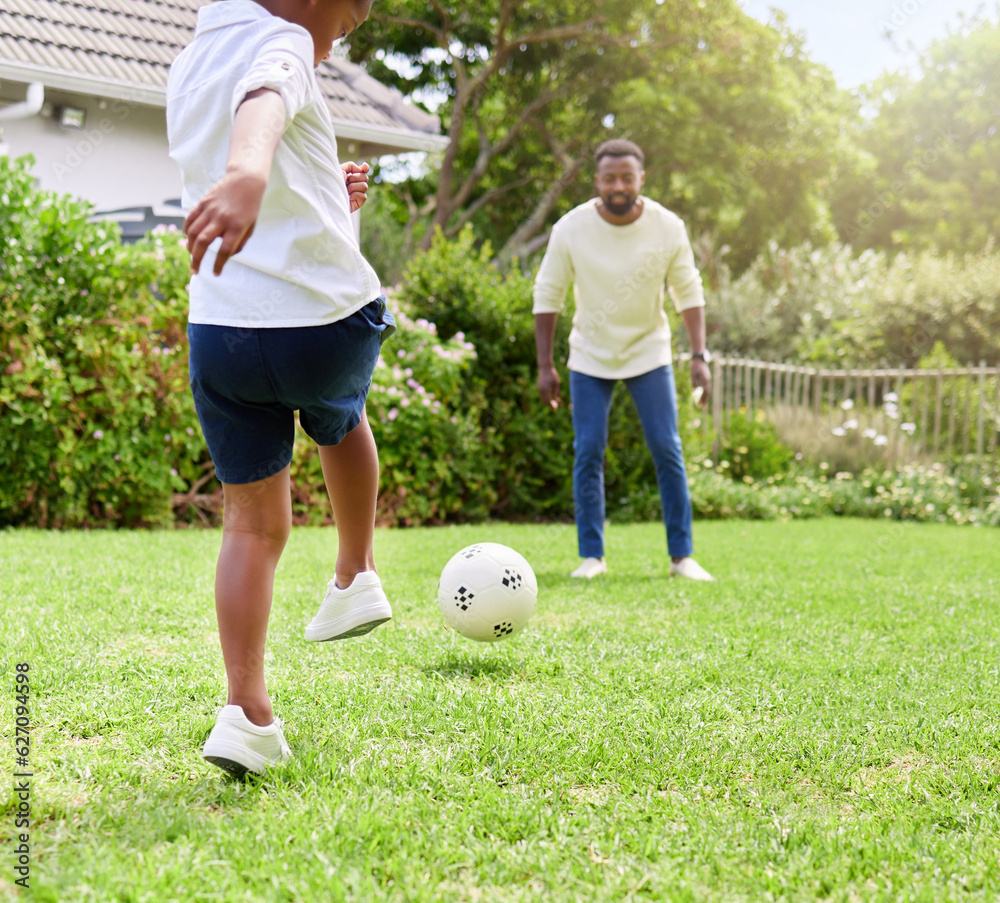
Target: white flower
x=891, y=398
x=870, y=433
x=847, y=404
x=839, y=431
x=881, y=440
x=908, y=427
x=850, y=424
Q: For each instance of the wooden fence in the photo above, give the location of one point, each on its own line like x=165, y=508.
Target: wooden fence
x=945, y=411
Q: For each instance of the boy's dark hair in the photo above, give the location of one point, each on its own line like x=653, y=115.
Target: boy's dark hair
x=619, y=147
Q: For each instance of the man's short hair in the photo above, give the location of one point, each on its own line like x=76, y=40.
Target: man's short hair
x=619, y=147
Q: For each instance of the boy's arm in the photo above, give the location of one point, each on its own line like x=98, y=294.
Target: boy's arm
x=229, y=209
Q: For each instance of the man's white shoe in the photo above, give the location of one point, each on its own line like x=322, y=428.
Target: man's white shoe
x=590, y=568
x=688, y=567
x=350, y=612
x=237, y=745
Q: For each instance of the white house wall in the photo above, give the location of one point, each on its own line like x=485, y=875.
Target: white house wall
x=119, y=159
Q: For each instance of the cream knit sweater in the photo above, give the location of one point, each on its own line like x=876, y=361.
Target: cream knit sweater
x=620, y=328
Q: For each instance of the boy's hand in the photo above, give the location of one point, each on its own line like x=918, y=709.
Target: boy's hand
x=357, y=184
x=229, y=210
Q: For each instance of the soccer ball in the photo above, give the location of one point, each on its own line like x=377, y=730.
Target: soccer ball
x=487, y=592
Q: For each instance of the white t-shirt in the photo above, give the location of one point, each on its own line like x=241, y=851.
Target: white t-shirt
x=620, y=328
x=302, y=266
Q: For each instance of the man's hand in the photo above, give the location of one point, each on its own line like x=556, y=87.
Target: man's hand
x=357, y=184
x=548, y=387
x=701, y=378
x=229, y=210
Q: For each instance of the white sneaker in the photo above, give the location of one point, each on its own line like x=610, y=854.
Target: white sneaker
x=237, y=745
x=350, y=612
x=688, y=567
x=590, y=568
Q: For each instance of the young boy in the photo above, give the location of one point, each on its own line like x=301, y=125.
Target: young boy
x=293, y=322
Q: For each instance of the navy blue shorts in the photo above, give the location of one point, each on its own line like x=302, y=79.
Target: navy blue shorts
x=248, y=384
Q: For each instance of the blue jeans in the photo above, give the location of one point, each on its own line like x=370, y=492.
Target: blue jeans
x=655, y=399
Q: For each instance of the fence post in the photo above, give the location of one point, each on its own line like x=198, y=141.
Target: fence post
x=995, y=415
x=952, y=405
x=937, y=411
x=981, y=418
x=717, y=398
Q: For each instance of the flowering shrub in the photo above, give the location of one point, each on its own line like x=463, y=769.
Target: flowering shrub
x=850, y=437
x=431, y=466
x=528, y=448
x=930, y=493
x=98, y=427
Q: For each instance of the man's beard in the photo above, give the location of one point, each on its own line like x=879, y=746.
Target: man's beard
x=620, y=204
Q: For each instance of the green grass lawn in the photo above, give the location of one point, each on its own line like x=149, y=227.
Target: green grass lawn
x=820, y=724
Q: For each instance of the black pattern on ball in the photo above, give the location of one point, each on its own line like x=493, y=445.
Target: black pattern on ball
x=472, y=551
x=512, y=578
x=464, y=597
x=504, y=628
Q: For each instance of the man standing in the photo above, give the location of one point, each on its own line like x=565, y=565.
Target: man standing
x=618, y=250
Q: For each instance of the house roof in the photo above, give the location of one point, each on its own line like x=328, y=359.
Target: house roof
x=123, y=49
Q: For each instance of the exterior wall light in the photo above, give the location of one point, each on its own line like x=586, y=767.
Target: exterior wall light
x=71, y=117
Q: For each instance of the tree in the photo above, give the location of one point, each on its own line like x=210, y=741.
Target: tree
x=740, y=127
x=933, y=153
x=517, y=77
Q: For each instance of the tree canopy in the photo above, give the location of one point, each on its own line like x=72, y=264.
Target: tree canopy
x=746, y=137
x=932, y=173
x=736, y=121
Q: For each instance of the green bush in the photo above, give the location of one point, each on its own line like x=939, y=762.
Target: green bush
x=751, y=449
x=529, y=447
x=454, y=285
x=430, y=469
x=829, y=306
x=98, y=427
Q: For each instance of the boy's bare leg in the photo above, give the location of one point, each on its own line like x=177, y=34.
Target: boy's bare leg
x=257, y=518
x=350, y=470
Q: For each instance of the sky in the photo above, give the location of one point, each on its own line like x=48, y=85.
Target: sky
x=847, y=35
